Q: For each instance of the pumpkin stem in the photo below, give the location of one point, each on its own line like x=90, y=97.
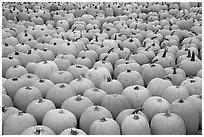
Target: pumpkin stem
x=128, y=56
x=146, y=49
x=192, y=81
x=73, y=132
x=174, y=70
x=181, y=101
x=96, y=38
x=200, y=96
x=164, y=54
x=16, y=53
x=128, y=70
x=95, y=89
x=62, y=86
x=61, y=111
x=29, y=88
x=74, y=29
x=45, y=62
x=193, y=56
x=120, y=47
x=115, y=37
x=167, y=114
x=86, y=47
x=109, y=79
x=20, y=112
x=29, y=52
x=79, y=78
x=78, y=98
x=78, y=66
x=4, y=108
x=153, y=61
x=110, y=50
x=136, y=88
x=135, y=117
x=96, y=108
x=38, y=131
x=14, y=79
x=41, y=81
x=137, y=110
x=103, y=119
x=40, y=100
x=159, y=100
x=153, y=38
x=104, y=59
x=189, y=54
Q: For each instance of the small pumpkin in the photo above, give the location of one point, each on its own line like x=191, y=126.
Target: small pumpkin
x=135, y=124
x=167, y=124
x=29, y=79
x=188, y=113
x=73, y=131
x=61, y=77
x=62, y=120
x=77, y=70
x=15, y=71
x=102, y=127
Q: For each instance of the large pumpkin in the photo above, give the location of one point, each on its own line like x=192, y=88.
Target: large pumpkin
x=95, y=95
x=188, y=113
x=90, y=115
x=136, y=95
x=24, y=96
x=62, y=120
x=39, y=107
x=59, y=93
x=167, y=124
x=29, y=79
x=115, y=103
x=102, y=127
x=15, y=71
x=77, y=105
x=135, y=124
x=17, y=123
x=38, y=130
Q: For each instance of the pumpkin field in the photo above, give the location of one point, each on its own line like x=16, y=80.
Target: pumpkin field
x=101, y=68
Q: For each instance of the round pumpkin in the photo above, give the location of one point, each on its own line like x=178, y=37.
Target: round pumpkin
x=38, y=108
x=15, y=71
x=29, y=79
x=17, y=123
x=155, y=105
x=77, y=70
x=102, y=127
x=167, y=124
x=6, y=101
x=95, y=95
x=59, y=93
x=90, y=115
x=77, y=105
x=188, y=113
x=24, y=96
x=62, y=120
x=61, y=77
x=73, y=131
x=38, y=130
x=135, y=124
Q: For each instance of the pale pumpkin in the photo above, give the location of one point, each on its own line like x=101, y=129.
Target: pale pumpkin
x=38, y=130
x=73, y=131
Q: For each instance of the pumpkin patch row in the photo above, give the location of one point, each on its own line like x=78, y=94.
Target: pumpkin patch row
x=80, y=68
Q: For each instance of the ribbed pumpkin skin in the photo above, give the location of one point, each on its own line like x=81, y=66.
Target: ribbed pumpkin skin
x=17, y=123
x=102, y=127
x=90, y=115
x=135, y=126
x=188, y=113
x=38, y=130
x=167, y=125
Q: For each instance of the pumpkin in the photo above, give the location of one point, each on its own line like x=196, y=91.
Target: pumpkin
x=68, y=57
x=43, y=85
x=77, y=70
x=7, y=49
x=73, y=131
x=115, y=103
x=136, y=95
x=123, y=67
x=6, y=112
x=30, y=67
x=77, y=105
x=97, y=75
x=15, y=71
x=12, y=85
x=193, y=85
x=24, y=96
x=154, y=105
x=59, y=93
x=188, y=113
x=38, y=130
x=6, y=101
x=111, y=86
x=151, y=71
x=196, y=100
x=112, y=57
x=89, y=53
x=62, y=120
x=17, y=123
x=83, y=61
x=167, y=124
x=62, y=63
x=157, y=86
x=173, y=93
x=29, y=79
x=45, y=68
x=81, y=84
x=61, y=77
x=102, y=127
x=140, y=58
x=199, y=74
x=192, y=66
x=39, y=107
x=123, y=114
x=135, y=124
x=67, y=48
x=7, y=63
x=95, y=95
x=130, y=77
x=91, y=114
